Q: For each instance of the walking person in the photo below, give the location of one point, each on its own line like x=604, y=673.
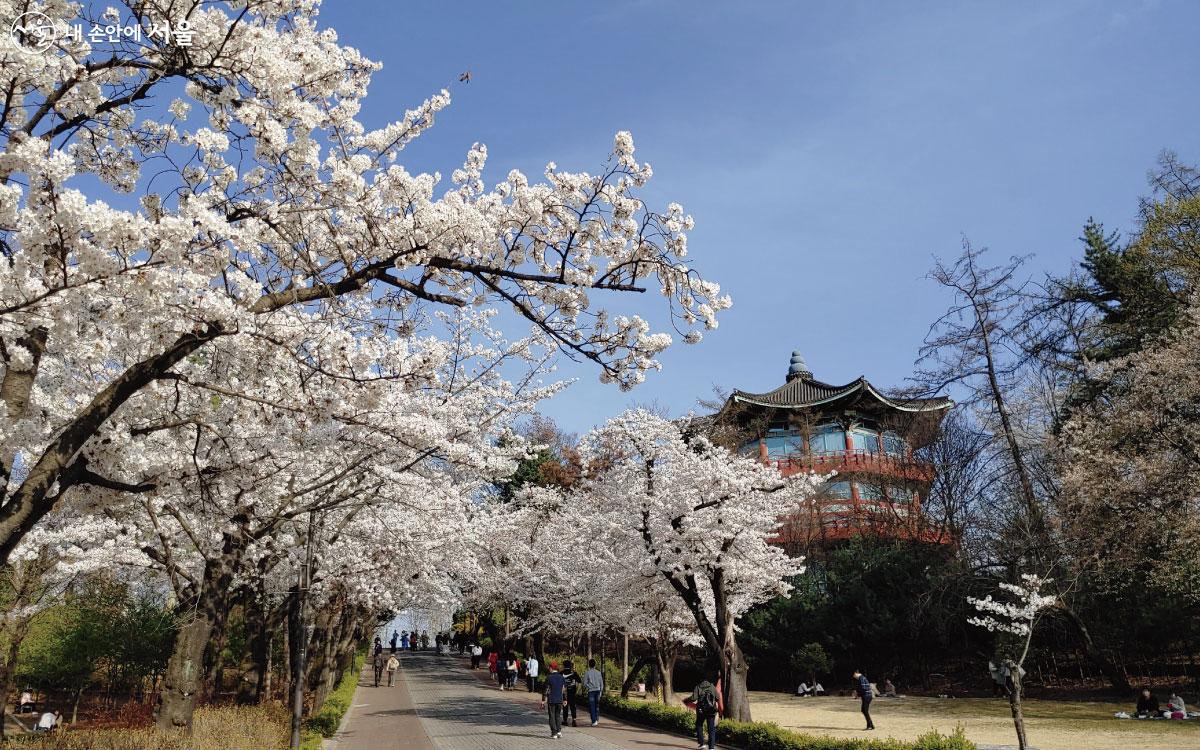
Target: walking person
x=863, y=688
x=531, y=673
x=378, y=664
x=512, y=666
x=392, y=665
x=708, y=703
x=552, y=699
x=424, y=640
x=593, y=685
x=404, y=640
x=378, y=647
x=395, y=637
x=571, y=679
x=502, y=669
x=476, y=655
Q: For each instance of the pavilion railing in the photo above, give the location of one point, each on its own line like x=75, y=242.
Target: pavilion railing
x=857, y=459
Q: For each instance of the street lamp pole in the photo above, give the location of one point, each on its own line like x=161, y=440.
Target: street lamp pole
x=303, y=581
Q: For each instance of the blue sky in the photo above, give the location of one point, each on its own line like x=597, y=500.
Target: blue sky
x=827, y=150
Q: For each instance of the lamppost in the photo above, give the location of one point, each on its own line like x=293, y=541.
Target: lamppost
x=304, y=630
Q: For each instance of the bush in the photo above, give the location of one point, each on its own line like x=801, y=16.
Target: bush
x=610, y=668
x=325, y=723
x=227, y=728
x=763, y=736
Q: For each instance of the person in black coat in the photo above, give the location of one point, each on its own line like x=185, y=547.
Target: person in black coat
x=572, y=680
x=863, y=688
x=1147, y=705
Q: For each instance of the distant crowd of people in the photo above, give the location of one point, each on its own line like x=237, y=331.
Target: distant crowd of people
x=562, y=689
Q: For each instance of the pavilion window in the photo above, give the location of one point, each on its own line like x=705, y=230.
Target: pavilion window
x=900, y=495
x=780, y=443
x=893, y=444
x=827, y=438
x=869, y=491
x=839, y=490
x=866, y=440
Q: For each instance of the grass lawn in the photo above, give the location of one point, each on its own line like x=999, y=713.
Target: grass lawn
x=1050, y=725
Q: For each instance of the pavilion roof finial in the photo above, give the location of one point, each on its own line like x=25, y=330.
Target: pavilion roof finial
x=798, y=368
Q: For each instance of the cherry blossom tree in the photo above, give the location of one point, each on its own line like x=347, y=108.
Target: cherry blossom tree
x=248, y=468
x=702, y=519
x=266, y=210
x=1016, y=618
x=1133, y=463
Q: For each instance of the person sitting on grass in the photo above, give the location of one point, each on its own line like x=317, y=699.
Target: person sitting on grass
x=889, y=690
x=804, y=690
x=1147, y=705
x=1176, y=706
x=48, y=723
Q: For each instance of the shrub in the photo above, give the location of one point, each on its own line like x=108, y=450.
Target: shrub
x=325, y=722
x=610, y=668
x=763, y=736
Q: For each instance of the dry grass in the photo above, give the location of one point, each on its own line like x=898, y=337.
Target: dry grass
x=1051, y=725
x=228, y=728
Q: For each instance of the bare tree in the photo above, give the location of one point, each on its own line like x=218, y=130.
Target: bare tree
x=978, y=348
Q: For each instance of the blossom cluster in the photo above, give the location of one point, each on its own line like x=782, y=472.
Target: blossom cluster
x=1018, y=615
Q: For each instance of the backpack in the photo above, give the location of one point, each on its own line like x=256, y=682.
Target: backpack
x=708, y=702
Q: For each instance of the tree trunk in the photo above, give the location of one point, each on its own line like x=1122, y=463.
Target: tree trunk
x=628, y=683
x=331, y=648
x=321, y=656
x=1116, y=678
x=1014, y=705
x=216, y=675
x=75, y=706
x=6, y=671
x=185, y=673
x=666, y=670
x=184, y=676
x=268, y=672
x=295, y=651
x=737, y=697
x=250, y=684
x=539, y=649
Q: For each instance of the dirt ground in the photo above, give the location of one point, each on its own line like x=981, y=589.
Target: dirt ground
x=1050, y=725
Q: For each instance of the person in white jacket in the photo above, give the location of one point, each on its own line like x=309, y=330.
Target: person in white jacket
x=531, y=673
x=392, y=665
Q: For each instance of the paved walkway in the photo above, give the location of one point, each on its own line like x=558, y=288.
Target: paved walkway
x=439, y=704
x=381, y=718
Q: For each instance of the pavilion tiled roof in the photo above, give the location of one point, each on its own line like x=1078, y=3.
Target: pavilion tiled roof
x=802, y=392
